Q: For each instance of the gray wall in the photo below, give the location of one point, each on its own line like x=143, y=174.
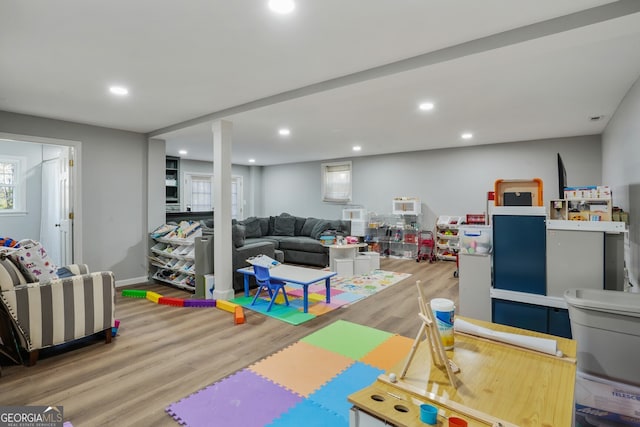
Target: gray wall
x=621, y=168
x=25, y=226
x=448, y=182
x=113, y=166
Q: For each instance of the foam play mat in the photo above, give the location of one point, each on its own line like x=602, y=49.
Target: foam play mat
x=306, y=383
x=344, y=291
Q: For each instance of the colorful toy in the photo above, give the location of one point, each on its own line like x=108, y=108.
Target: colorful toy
x=200, y=303
x=134, y=293
x=176, y=302
x=153, y=296
x=238, y=316
x=226, y=306
x=114, y=329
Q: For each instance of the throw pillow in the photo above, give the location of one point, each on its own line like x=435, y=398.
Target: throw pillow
x=284, y=226
x=252, y=227
x=264, y=225
x=10, y=274
x=297, y=231
x=307, y=228
x=272, y=221
x=238, y=235
x=35, y=263
x=320, y=226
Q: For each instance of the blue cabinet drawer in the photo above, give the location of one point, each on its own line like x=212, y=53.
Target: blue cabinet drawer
x=520, y=315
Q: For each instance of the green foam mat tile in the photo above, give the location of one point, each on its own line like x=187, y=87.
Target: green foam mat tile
x=346, y=338
x=281, y=312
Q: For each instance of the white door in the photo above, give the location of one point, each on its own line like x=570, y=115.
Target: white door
x=66, y=209
x=56, y=223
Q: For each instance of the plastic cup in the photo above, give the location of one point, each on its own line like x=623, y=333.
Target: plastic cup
x=428, y=414
x=457, y=422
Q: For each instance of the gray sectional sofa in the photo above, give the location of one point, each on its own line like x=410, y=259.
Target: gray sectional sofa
x=298, y=239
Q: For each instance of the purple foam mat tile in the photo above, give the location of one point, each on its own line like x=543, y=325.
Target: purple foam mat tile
x=242, y=399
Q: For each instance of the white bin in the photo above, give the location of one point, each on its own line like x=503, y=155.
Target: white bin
x=344, y=267
x=606, y=325
x=362, y=264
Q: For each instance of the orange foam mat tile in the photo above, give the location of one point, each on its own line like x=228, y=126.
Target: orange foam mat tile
x=302, y=368
x=389, y=353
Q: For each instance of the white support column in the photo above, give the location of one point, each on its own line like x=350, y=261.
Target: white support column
x=222, y=245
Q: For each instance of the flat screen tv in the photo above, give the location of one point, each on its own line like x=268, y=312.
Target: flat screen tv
x=562, y=178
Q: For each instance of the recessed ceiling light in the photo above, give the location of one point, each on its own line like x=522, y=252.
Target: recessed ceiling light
x=426, y=106
x=282, y=6
x=466, y=135
x=252, y=160
x=284, y=132
x=182, y=152
x=119, y=90
x=356, y=148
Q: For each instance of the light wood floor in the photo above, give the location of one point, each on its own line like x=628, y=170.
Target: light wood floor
x=162, y=354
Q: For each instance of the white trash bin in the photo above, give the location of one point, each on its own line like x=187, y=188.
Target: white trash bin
x=606, y=325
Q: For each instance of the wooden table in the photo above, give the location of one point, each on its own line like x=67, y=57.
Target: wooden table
x=496, y=383
x=299, y=275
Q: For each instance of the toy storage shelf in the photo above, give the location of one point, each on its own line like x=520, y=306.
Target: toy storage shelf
x=580, y=209
x=447, y=244
x=394, y=236
x=174, y=261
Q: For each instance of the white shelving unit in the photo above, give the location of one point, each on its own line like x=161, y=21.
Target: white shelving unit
x=447, y=244
x=406, y=206
x=174, y=261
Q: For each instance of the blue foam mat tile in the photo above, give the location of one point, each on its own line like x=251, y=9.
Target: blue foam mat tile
x=333, y=395
x=309, y=414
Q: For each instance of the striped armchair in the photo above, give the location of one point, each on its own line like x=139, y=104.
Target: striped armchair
x=59, y=311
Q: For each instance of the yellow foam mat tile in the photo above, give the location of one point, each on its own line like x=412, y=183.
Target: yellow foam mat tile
x=389, y=353
x=301, y=368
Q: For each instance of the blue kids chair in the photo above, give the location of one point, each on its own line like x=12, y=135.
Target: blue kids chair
x=264, y=281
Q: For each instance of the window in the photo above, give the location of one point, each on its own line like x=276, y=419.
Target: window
x=199, y=194
x=12, y=184
x=336, y=182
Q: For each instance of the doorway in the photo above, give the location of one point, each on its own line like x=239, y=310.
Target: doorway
x=46, y=185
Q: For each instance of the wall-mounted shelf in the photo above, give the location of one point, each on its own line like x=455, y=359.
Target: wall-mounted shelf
x=172, y=183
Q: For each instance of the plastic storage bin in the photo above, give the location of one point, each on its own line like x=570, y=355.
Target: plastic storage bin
x=475, y=240
x=606, y=325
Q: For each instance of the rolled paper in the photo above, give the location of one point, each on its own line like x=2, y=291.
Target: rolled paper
x=543, y=345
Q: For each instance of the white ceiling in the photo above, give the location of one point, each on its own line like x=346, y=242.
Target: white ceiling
x=336, y=72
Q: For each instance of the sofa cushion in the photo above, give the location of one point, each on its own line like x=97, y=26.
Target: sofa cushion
x=320, y=226
x=10, y=274
x=252, y=227
x=301, y=243
x=264, y=225
x=284, y=226
x=307, y=228
x=297, y=230
x=238, y=235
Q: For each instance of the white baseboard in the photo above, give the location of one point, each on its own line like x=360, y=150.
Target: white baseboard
x=133, y=281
